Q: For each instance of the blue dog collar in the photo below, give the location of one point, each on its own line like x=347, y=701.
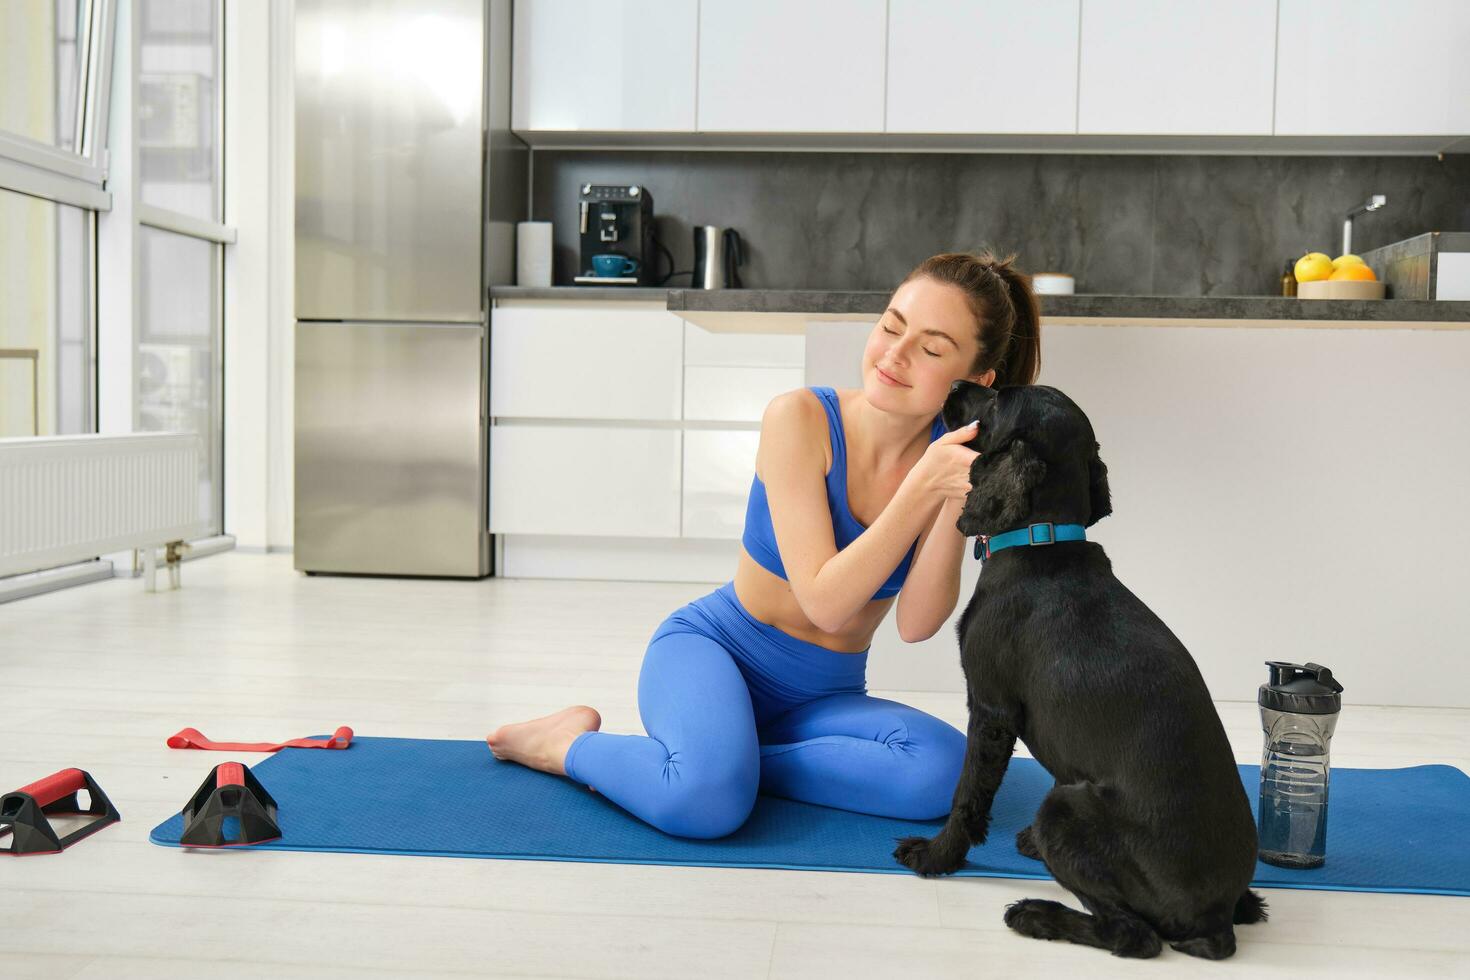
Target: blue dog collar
x=1049, y=534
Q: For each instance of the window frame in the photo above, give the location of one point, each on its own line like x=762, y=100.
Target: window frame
x=75, y=178
x=79, y=177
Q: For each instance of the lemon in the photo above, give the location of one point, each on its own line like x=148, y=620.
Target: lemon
x=1312, y=267
x=1349, y=259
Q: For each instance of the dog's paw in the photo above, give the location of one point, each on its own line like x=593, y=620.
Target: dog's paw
x=1026, y=844
x=1034, y=917
x=925, y=856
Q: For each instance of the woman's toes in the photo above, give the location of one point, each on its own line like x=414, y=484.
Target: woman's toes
x=500, y=741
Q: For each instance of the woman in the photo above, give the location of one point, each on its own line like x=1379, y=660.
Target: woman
x=759, y=685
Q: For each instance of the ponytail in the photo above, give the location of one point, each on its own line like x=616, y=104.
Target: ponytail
x=1007, y=316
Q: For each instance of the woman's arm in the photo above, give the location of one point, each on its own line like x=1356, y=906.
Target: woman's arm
x=932, y=588
x=831, y=586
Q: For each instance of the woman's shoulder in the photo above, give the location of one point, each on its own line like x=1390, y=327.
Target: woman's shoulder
x=799, y=405
x=798, y=421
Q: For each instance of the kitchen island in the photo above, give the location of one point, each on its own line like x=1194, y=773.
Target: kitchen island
x=1288, y=475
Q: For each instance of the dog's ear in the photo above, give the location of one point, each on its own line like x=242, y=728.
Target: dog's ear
x=966, y=401
x=1001, y=498
x=1099, y=496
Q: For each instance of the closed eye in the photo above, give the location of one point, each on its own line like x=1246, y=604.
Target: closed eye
x=924, y=349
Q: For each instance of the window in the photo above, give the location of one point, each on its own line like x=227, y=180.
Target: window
x=40, y=71
x=54, y=66
x=179, y=249
x=46, y=358
x=178, y=349
x=166, y=330
x=178, y=68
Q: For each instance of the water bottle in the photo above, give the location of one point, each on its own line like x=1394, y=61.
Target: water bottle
x=1299, y=709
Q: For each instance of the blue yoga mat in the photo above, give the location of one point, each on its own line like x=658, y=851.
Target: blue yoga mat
x=1390, y=830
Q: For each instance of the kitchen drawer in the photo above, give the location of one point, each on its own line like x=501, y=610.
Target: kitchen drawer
x=735, y=394
x=587, y=480
x=718, y=467
x=708, y=347
x=580, y=361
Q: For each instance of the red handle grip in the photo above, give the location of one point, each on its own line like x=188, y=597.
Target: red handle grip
x=55, y=786
x=229, y=774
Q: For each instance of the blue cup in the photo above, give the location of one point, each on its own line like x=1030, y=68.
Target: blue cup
x=613, y=265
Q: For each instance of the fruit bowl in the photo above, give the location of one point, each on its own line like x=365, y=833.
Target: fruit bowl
x=1340, y=289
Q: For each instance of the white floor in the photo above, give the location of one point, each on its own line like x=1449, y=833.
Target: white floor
x=97, y=676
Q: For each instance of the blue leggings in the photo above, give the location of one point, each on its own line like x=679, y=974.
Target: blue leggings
x=734, y=706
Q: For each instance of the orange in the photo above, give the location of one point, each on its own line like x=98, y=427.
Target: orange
x=1353, y=270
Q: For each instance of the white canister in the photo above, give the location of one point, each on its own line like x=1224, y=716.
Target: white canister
x=1053, y=284
x=533, y=253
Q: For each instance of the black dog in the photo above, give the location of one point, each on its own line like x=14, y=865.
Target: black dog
x=1148, y=824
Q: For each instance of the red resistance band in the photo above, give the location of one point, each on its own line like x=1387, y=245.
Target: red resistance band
x=192, y=738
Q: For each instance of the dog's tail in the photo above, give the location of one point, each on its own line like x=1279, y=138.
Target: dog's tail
x=1250, y=908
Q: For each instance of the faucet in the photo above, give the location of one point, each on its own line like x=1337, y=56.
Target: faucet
x=1372, y=204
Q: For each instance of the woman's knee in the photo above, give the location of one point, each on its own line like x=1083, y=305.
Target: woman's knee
x=934, y=756
x=705, y=804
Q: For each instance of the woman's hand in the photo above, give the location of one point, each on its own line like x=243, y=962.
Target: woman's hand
x=943, y=472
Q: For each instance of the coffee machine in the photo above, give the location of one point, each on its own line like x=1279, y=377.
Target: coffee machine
x=616, y=229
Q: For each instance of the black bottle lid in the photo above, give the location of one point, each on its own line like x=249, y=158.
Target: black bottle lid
x=1306, y=689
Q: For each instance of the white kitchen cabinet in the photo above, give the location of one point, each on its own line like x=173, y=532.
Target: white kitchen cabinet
x=954, y=65
x=791, y=66
x=1163, y=67
x=735, y=394
x=596, y=481
x=608, y=65
x=580, y=360
x=1365, y=67
x=718, y=468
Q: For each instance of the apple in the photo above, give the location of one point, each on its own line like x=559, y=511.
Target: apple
x=1312, y=267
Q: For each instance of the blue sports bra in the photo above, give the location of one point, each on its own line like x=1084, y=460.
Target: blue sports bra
x=759, y=538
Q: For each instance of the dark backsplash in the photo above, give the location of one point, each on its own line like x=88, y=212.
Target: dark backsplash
x=1166, y=225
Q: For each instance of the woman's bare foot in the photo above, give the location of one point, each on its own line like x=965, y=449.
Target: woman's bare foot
x=542, y=743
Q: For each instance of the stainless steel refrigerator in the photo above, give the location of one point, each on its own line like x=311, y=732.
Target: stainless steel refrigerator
x=408, y=187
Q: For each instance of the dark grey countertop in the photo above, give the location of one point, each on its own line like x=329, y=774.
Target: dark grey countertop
x=830, y=302
x=642, y=294
x=1095, y=306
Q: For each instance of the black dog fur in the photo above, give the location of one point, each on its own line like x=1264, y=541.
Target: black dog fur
x=1148, y=824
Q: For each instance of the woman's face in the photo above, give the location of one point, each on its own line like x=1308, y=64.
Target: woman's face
x=924, y=342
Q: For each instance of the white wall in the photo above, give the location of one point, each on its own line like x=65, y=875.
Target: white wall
x=1279, y=494
x=247, y=207
x=259, y=62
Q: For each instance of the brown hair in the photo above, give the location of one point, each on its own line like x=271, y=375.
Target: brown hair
x=1008, y=320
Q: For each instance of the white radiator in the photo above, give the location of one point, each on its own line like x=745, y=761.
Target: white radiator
x=69, y=498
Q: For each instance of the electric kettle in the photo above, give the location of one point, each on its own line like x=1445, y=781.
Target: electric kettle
x=718, y=252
